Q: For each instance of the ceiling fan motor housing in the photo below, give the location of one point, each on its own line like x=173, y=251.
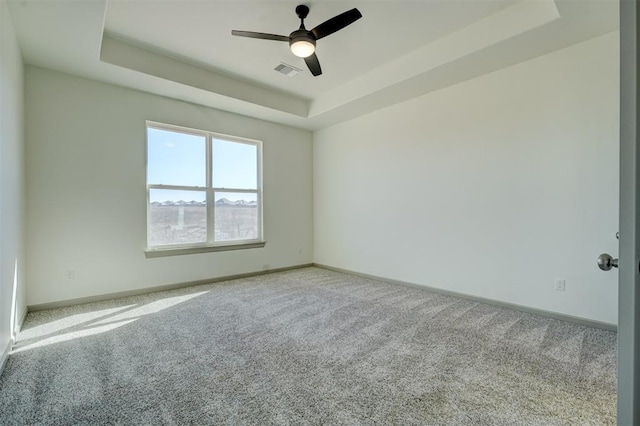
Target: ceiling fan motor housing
x=301, y=35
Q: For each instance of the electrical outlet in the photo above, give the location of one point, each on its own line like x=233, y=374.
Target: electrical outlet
x=70, y=274
x=560, y=285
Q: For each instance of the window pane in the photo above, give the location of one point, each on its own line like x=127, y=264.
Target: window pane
x=175, y=158
x=234, y=165
x=177, y=217
x=236, y=216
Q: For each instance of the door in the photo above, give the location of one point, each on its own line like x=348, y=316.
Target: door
x=629, y=279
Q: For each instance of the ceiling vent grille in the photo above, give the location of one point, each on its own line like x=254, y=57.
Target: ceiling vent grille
x=288, y=70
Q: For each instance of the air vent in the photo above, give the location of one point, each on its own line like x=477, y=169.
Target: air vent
x=288, y=70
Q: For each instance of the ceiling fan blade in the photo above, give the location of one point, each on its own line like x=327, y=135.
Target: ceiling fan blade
x=336, y=23
x=313, y=64
x=263, y=36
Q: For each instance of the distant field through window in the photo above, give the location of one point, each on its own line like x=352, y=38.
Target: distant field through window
x=203, y=189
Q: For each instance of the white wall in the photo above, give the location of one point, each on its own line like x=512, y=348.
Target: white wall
x=494, y=187
x=12, y=300
x=86, y=190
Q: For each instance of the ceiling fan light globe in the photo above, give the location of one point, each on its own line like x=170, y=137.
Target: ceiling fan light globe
x=302, y=48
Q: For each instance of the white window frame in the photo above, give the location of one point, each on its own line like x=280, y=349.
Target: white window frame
x=210, y=245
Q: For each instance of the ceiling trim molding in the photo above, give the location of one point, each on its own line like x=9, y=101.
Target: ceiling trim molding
x=130, y=56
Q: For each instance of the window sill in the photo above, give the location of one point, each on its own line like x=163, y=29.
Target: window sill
x=178, y=251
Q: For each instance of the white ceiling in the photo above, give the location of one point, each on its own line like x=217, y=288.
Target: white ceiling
x=398, y=50
x=201, y=31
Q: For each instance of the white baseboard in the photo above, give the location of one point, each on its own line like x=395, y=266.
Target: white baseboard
x=5, y=355
x=10, y=343
x=540, y=312
x=120, y=294
x=21, y=319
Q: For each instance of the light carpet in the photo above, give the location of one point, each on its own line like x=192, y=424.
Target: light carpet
x=307, y=346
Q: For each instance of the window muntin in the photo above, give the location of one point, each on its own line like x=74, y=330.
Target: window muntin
x=203, y=189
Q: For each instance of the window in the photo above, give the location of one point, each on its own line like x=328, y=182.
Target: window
x=203, y=190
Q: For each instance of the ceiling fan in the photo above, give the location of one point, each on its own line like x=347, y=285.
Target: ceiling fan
x=302, y=41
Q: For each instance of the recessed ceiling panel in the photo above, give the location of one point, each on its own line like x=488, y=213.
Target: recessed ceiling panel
x=200, y=32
